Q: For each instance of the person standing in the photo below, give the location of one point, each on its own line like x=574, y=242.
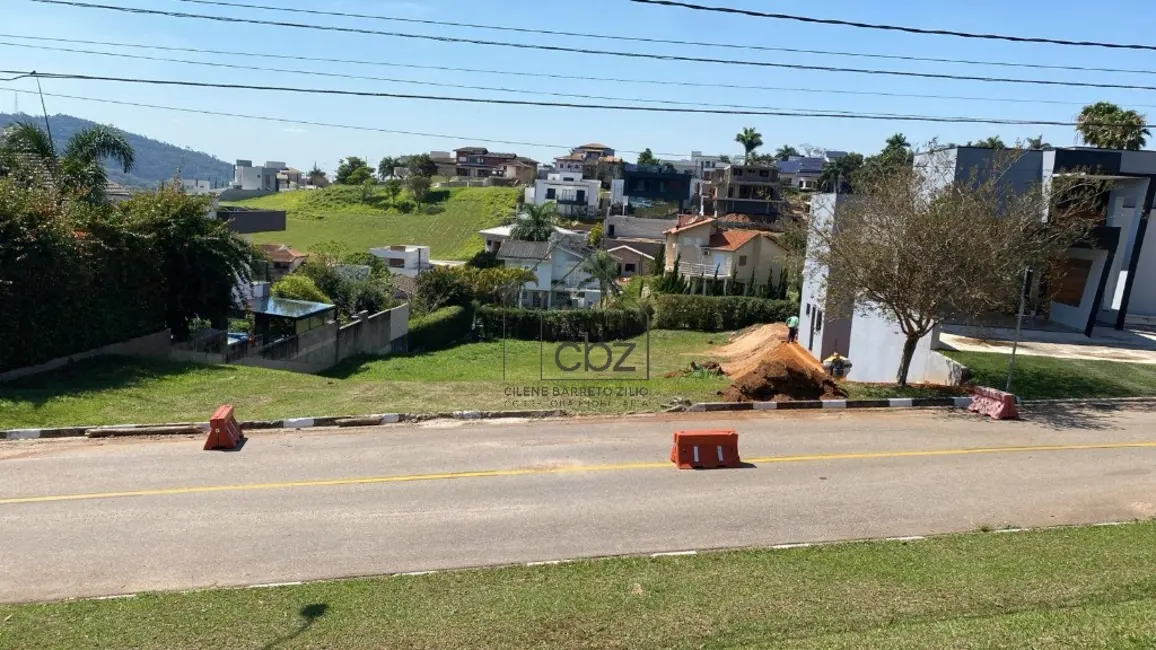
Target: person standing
x=792, y=329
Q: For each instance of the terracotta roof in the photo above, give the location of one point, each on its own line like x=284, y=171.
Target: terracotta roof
x=687, y=221
x=593, y=145
x=610, y=159
x=281, y=253
x=572, y=156
x=733, y=239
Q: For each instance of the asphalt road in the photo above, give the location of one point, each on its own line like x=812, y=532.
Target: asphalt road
x=87, y=518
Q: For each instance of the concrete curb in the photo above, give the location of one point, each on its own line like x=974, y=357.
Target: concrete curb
x=892, y=402
x=170, y=428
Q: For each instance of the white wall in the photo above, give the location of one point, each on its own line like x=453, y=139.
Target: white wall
x=877, y=347
x=1125, y=205
x=1143, y=299
x=1077, y=317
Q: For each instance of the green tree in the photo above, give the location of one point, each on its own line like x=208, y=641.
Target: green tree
x=352, y=171
x=838, y=174
x=896, y=155
x=750, y=139
x=991, y=142
x=418, y=187
x=200, y=260
x=1107, y=126
x=317, y=177
x=785, y=152
x=658, y=265
x=367, y=188
x=594, y=237
x=392, y=189
x=386, y=168
x=421, y=165
x=647, y=158
x=536, y=223
x=297, y=286
x=29, y=153
x=1036, y=143
x=603, y=268
x=723, y=158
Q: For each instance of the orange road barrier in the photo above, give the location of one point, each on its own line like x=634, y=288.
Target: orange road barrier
x=996, y=403
x=224, y=432
x=706, y=449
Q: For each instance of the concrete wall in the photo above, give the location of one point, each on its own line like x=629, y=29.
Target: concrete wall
x=831, y=333
x=155, y=345
x=233, y=194
x=1125, y=206
x=250, y=221
x=1143, y=299
x=1077, y=317
x=877, y=346
x=373, y=334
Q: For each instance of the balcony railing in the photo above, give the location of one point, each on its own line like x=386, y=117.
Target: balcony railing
x=707, y=270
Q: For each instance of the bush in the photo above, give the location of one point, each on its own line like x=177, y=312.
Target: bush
x=485, y=259
x=559, y=325
x=299, y=287
x=440, y=329
x=717, y=314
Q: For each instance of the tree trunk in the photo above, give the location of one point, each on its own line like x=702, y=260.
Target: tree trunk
x=905, y=361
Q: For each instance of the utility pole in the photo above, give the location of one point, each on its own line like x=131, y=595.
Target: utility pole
x=44, y=110
x=1011, y=364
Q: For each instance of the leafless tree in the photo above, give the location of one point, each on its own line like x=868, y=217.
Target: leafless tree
x=918, y=245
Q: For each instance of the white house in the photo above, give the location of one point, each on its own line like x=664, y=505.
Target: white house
x=403, y=259
x=572, y=195
x=704, y=165
x=560, y=281
x=498, y=235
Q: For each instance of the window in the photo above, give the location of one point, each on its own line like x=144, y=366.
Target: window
x=738, y=172
x=742, y=260
x=763, y=173
x=818, y=319
x=478, y=160
x=808, y=309
x=1076, y=272
x=630, y=268
x=551, y=193
x=396, y=263
x=610, y=231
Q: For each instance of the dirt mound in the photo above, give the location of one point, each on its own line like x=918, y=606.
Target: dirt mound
x=785, y=373
x=749, y=348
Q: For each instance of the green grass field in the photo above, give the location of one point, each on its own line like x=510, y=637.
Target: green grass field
x=117, y=390
x=1056, y=589
x=338, y=214
x=1052, y=378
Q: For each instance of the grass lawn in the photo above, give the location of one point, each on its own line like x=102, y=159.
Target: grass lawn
x=338, y=214
x=1054, y=378
x=117, y=390
x=1063, y=588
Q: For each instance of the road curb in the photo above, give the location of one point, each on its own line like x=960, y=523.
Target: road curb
x=119, y=430
x=892, y=402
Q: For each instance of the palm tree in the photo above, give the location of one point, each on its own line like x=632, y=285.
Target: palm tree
x=750, y=139
x=1036, y=143
x=897, y=141
x=991, y=142
x=603, y=268
x=79, y=170
x=536, y=223
x=385, y=168
x=1107, y=126
x=785, y=152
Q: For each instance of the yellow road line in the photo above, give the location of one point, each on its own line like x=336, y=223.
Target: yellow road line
x=496, y=473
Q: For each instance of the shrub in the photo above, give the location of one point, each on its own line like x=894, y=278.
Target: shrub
x=299, y=287
x=485, y=259
x=559, y=325
x=716, y=314
x=440, y=329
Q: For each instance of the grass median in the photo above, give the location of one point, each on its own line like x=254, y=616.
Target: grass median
x=1087, y=587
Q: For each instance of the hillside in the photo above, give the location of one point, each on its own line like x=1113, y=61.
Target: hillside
x=155, y=160
x=450, y=227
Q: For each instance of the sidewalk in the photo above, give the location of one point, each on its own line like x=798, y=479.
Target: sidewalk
x=1106, y=344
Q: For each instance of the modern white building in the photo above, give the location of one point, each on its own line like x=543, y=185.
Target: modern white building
x=559, y=281
x=573, y=195
x=263, y=178
x=404, y=259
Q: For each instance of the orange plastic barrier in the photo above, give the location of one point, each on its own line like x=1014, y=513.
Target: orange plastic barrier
x=705, y=448
x=996, y=403
x=224, y=432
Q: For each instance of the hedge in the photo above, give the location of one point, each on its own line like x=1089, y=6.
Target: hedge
x=717, y=314
x=440, y=329
x=559, y=324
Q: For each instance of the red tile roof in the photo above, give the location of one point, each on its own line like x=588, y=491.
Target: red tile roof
x=686, y=221
x=731, y=240
x=281, y=253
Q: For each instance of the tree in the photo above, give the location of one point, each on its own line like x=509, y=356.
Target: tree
x=1036, y=143
x=367, y=187
x=296, y=286
x=317, y=177
x=918, y=253
x=385, y=168
x=352, y=171
x=990, y=142
x=421, y=165
x=392, y=189
x=418, y=186
x=838, y=174
x=29, y=153
x=1107, y=126
x=647, y=158
x=658, y=265
x=603, y=268
x=594, y=237
x=896, y=155
x=750, y=139
x=785, y=152
x=536, y=223
x=723, y=158
x=200, y=260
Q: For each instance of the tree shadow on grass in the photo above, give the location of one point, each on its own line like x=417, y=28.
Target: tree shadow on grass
x=96, y=375
x=309, y=615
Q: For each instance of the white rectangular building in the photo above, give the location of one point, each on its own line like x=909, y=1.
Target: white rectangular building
x=404, y=259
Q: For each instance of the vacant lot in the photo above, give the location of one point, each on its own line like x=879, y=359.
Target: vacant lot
x=1066, y=588
x=338, y=213
x=1053, y=378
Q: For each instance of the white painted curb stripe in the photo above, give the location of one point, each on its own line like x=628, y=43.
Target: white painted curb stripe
x=23, y=434
x=962, y=402
x=766, y=406
x=390, y=418
x=298, y=423
x=834, y=403
x=271, y=585
x=674, y=553
x=901, y=401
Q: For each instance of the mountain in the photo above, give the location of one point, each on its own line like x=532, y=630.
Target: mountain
x=155, y=160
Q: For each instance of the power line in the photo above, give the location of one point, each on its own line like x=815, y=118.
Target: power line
x=548, y=75
x=522, y=102
x=575, y=50
x=388, y=79
x=894, y=28
x=661, y=41
x=283, y=120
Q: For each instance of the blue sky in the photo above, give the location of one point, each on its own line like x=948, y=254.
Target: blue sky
x=231, y=138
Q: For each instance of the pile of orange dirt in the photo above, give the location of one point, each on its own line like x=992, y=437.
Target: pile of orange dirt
x=748, y=348
x=785, y=373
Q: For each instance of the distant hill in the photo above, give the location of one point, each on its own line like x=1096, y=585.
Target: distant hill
x=155, y=161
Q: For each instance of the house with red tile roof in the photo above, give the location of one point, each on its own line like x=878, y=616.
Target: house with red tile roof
x=699, y=247
x=283, y=260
